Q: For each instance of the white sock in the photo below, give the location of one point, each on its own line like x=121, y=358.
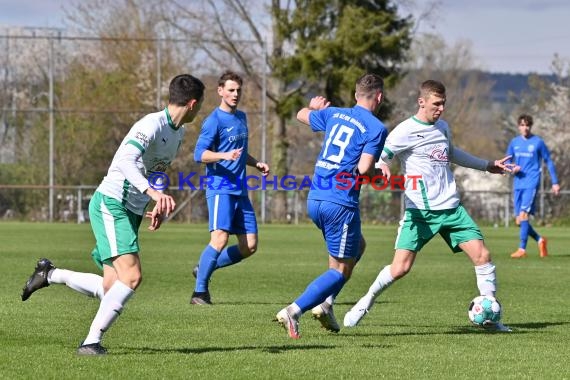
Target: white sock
x=89, y=284
x=329, y=300
x=110, y=308
x=486, y=279
x=294, y=310
x=382, y=282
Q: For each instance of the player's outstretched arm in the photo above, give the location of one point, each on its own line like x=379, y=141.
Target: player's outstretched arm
x=500, y=166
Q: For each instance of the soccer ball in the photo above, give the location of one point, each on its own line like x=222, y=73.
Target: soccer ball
x=484, y=310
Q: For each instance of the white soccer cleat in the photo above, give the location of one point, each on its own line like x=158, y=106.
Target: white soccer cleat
x=324, y=314
x=358, y=311
x=289, y=323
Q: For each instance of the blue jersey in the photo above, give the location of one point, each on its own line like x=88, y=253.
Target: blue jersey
x=349, y=132
x=222, y=132
x=528, y=153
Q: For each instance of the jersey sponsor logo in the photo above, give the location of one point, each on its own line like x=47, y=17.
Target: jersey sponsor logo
x=241, y=136
x=440, y=155
x=160, y=166
x=523, y=154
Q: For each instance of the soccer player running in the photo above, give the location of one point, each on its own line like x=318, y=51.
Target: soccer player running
x=223, y=147
x=528, y=152
x=117, y=208
x=353, y=141
x=423, y=144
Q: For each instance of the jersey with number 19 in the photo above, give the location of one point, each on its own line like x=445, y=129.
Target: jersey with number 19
x=349, y=132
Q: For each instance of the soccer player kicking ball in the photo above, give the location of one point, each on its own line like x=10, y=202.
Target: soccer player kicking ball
x=353, y=140
x=117, y=208
x=423, y=144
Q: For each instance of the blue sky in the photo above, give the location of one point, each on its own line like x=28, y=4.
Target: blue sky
x=507, y=35
x=517, y=36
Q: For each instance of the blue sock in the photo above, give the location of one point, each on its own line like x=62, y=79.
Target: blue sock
x=532, y=233
x=330, y=282
x=206, y=268
x=524, y=233
x=229, y=256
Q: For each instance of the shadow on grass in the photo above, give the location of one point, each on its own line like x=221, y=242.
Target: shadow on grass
x=205, y=350
x=518, y=328
x=537, y=325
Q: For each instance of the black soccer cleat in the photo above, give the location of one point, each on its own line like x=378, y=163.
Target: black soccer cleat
x=201, y=298
x=38, y=279
x=91, y=349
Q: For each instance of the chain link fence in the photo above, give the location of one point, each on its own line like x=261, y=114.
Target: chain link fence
x=377, y=207
x=68, y=101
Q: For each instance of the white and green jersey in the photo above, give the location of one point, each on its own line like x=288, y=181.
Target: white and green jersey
x=150, y=146
x=424, y=151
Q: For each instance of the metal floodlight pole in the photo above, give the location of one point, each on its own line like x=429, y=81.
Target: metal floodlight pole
x=51, y=130
x=158, y=71
x=263, y=121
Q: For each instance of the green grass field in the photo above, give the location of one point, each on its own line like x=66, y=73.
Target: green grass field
x=419, y=328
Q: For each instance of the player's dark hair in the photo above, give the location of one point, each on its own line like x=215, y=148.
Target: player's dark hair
x=368, y=84
x=183, y=88
x=526, y=118
x=230, y=75
x=431, y=87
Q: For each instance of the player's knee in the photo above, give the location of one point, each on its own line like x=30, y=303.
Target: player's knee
x=107, y=285
x=399, y=271
x=248, y=249
x=218, y=243
x=134, y=282
x=133, y=279
x=483, y=257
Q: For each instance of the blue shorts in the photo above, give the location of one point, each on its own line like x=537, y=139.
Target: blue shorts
x=524, y=200
x=231, y=213
x=340, y=226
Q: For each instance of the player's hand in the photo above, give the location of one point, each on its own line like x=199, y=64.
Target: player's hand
x=164, y=203
x=263, y=168
x=516, y=169
x=384, y=169
x=556, y=189
x=500, y=167
x=233, y=155
x=319, y=103
x=156, y=219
